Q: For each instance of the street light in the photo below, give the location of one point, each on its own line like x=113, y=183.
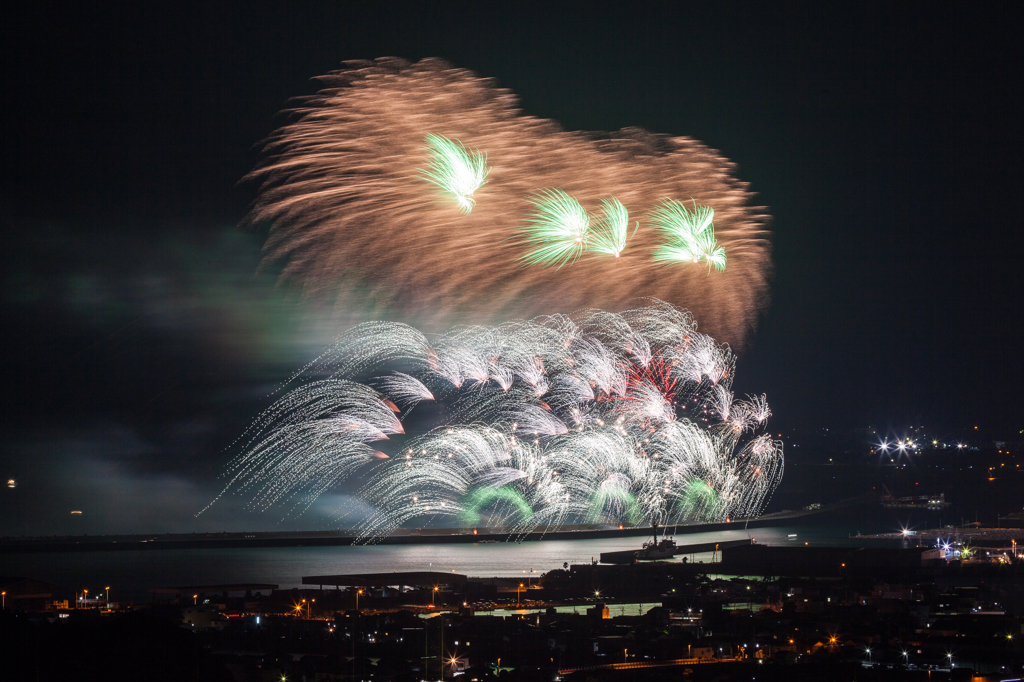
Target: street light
x=440, y=648
x=107, y=588
x=868, y=650
x=4, y=594
x=85, y=599
x=358, y=592
x=195, y=600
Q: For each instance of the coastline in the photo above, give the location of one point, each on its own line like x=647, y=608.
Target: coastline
x=345, y=537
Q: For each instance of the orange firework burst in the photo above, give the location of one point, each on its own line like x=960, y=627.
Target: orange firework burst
x=353, y=191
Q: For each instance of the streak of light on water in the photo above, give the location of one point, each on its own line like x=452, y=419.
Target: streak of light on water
x=132, y=573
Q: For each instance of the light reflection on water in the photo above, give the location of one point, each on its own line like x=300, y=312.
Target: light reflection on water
x=132, y=573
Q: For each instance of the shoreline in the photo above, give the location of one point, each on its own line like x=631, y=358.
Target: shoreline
x=334, y=538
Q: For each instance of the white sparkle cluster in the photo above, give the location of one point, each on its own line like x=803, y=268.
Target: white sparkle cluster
x=594, y=417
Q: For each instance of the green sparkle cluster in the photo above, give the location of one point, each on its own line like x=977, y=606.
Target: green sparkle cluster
x=690, y=235
x=560, y=230
x=458, y=171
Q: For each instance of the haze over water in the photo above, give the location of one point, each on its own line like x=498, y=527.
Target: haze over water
x=132, y=573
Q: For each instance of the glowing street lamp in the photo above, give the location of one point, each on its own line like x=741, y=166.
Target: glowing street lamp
x=85, y=599
x=195, y=600
x=4, y=595
x=517, y=593
x=107, y=588
x=358, y=592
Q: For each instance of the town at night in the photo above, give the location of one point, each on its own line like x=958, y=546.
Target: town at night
x=577, y=342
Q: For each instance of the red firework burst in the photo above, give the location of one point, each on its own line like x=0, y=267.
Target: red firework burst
x=640, y=379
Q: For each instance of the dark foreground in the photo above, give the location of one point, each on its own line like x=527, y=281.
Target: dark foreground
x=880, y=616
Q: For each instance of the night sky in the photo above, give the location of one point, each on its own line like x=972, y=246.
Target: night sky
x=139, y=336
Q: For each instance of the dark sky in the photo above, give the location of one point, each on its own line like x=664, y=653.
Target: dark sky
x=138, y=338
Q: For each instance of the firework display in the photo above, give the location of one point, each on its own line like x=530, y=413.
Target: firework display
x=559, y=229
x=425, y=190
x=455, y=169
x=613, y=228
x=592, y=417
x=690, y=235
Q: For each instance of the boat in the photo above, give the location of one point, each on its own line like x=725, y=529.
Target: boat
x=890, y=501
x=654, y=550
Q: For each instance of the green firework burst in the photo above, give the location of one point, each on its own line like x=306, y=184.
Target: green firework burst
x=559, y=229
x=456, y=169
x=612, y=229
x=690, y=235
x=699, y=501
x=613, y=502
x=510, y=501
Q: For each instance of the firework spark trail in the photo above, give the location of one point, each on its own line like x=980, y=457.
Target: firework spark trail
x=310, y=440
x=455, y=169
x=558, y=230
x=591, y=417
x=405, y=390
x=612, y=229
x=691, y=235
x=348, y=211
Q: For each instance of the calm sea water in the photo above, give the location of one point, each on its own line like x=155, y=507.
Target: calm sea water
x=132, y=573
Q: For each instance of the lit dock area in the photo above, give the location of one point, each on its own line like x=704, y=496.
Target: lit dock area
x=403, y=579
